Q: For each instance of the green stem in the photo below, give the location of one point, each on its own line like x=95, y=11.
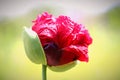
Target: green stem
x=44, y=70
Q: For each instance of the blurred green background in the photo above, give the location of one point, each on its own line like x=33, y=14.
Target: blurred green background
x=102, y=18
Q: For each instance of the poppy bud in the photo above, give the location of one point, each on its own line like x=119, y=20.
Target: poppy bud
x=35, y=52
x=56, y=42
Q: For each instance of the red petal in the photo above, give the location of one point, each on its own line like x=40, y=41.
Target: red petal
x=80, y=52
x=71, y=33
x=67, y=57
x=43, y=21
x=45, y=28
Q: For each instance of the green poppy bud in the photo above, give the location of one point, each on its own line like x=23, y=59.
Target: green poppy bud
x=36, y=54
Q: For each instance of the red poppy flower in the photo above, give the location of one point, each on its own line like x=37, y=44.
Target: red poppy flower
x=62, y=39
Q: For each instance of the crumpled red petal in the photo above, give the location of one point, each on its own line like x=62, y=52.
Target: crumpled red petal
x=71, y=38
x=80, y=52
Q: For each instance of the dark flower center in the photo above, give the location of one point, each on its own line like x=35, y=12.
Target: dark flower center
x=53, y=54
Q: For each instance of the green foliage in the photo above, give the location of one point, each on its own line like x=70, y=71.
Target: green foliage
x=113, y=18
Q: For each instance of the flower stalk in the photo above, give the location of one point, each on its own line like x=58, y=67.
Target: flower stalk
x=44, y=71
